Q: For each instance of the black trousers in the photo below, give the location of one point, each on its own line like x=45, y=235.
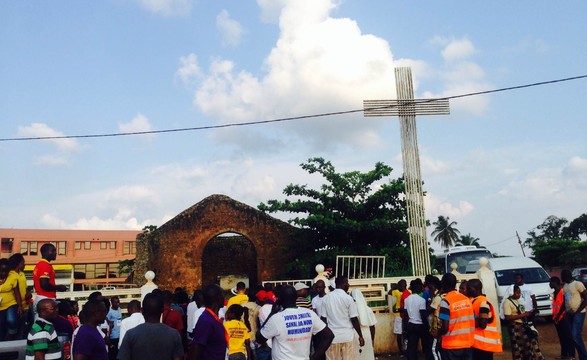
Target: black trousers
x=418, y=332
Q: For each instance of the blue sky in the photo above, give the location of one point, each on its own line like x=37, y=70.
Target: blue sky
x=498, y=164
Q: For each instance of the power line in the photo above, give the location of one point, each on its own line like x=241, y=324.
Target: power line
x=504, y=240
x=210, y=127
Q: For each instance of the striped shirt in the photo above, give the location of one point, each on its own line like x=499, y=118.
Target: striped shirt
x=43, y=337
x=303, y=303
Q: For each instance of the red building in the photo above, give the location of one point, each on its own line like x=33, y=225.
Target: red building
x=94, y=254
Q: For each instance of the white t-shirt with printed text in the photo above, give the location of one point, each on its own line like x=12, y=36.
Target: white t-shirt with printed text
x=291, y=333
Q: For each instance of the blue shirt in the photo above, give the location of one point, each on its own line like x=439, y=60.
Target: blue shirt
x=115, y=316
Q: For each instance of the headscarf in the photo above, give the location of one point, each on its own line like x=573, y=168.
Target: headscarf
x=366, y=315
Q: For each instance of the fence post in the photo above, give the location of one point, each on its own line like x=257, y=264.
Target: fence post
x=454, y=271
x=149, y=286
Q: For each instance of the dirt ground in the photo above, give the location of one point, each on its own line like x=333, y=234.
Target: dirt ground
x=548, y=340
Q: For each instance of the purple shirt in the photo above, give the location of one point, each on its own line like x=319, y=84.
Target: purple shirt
x=90, y=343
x=210, y=335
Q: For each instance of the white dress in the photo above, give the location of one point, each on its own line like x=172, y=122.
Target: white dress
x=366, y=319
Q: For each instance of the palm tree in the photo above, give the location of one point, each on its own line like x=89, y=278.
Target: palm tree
x=445, y=232
x=468, y=239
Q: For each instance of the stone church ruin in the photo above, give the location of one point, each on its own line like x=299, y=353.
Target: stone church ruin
x=216, y=237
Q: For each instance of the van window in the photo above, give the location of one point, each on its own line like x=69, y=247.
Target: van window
x=531, y=276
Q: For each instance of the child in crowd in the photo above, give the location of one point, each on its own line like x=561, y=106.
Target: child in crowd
x=239, y=347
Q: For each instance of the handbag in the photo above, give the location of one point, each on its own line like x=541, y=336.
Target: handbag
x=529, y=328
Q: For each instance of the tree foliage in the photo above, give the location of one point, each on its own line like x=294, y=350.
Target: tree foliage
x=554, y=243
x=468, y=240
x=445, y=231
x=359, y=213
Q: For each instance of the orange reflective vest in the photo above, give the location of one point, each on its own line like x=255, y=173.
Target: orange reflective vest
x=488, y=339
x=557, y=303
x=461, y=326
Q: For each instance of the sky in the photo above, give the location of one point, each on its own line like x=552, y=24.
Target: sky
x=498, y=164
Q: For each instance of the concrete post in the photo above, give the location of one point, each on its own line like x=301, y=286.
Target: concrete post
x=149, y=286
x=454, y=271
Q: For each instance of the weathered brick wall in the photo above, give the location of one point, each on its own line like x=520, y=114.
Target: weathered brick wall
x=178, y=261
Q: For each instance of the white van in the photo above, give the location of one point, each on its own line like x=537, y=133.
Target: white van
x=534, y=275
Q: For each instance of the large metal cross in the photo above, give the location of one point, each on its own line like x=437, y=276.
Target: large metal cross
x=406, y=107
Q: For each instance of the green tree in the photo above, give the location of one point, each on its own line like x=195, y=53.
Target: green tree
x=445, y=231
x=577, y=228
x=551, y=228
x=359, y=213
x=468, y=240
x=554, y=243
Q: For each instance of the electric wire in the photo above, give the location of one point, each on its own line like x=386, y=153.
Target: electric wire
x=302, y=117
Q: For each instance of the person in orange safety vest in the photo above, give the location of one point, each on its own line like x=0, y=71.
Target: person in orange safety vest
x=487, y=338
x=457, y=321
x=561, y=323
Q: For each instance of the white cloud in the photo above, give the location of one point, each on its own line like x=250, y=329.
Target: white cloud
x=121, y=220
x=562, y=185
x=189, y=69
x=460, y=76
x=458, y=49
x=43, y=130
x=263, y=188
x=575, y=174
x=231, y=31
x=167, y=7
x=435, y=207
x=64, y=147
x=431, y=166
x=139, y=123
x=271, y=10
x=319, y=64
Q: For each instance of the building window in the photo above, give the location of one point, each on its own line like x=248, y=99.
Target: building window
x=24, y=247
x=96, y=271
x=34, y=247
x=112, y=245
x=113, y=270
x=78, y=245
x=87, y=245
x=130, y=247
x=61, y=247
x=103, y=245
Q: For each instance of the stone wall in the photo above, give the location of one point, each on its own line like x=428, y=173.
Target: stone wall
x=182, y=240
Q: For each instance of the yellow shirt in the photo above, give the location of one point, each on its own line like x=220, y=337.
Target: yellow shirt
x=398, y=295
x=238, y=300
x=22, y=288
x=7, y=291
x=509, y=308
x=573, y=297
x=238, y=333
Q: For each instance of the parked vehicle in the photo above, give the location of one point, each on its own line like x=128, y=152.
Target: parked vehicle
x=580, y=274
x=535, y=277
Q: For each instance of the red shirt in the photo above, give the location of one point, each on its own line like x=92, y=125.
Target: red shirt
x=172, y=319
x=405, y=295
x=44, y=270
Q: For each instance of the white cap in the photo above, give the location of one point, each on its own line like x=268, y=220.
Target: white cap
x=299, y=286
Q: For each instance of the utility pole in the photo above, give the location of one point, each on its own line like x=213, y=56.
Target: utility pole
x=520, y=242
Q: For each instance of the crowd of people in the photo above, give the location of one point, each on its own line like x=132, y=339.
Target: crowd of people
x=321, y=321
x=463, y=323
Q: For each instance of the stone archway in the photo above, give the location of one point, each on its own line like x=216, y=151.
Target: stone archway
x=177, y=260
x=218, y=258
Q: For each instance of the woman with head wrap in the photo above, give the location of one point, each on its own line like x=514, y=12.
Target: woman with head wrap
x=367, y=321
